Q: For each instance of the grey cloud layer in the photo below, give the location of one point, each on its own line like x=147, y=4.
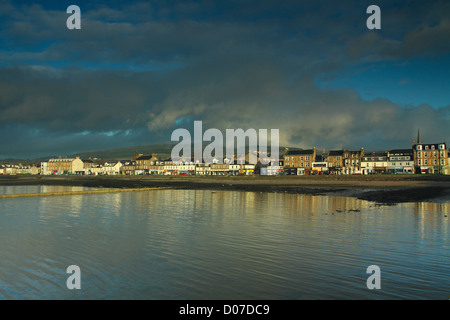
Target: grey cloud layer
x=236, y=66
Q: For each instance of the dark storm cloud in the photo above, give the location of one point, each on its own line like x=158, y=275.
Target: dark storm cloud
x=73, y=99
x=154, y=66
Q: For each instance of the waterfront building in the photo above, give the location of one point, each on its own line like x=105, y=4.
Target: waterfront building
x=112, y=168
x=299, y=162
x=247, y=169
x=65, y=165
x=446, y=168
x=220, y=169
x=352, y=161
x=335, y=161
x=26, y=169
x=128, y=167
x=430, y=158
x=375, y=162
x=203, y=169
x=272, y=169
x=186, y=168
x=44, y=168
x=320, y=165
x=170, y=168
x=96, y=169
x=234, y=169
x=87, y=164
x=10, y=169
x=401, y=161
x=142, y=163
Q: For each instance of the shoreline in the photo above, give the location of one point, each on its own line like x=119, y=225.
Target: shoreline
x=388, y=190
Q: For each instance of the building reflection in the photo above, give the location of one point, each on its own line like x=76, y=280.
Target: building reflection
x=431, y=217
x=312, y=205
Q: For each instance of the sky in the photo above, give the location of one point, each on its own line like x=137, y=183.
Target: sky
x=137, y=70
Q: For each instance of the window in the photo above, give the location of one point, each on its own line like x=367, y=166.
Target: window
x=301, y=159
x=419, y=147
x=307, y=158
x=425, y=154
x=426, y=147
x=301, y=164
x=432, y=147
x=435, y=161
x=419, y=154
x=426, y=161
x=419, y=162
x=338, y=158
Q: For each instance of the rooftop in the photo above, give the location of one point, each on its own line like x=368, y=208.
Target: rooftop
x=299, y=152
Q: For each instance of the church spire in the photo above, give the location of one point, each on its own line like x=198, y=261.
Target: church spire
x=418, y=136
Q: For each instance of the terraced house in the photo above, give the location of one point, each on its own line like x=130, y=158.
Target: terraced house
x=352, y=161
x=142, y=163
x=129, y=167
x=430, y=157
x=401, y=161
x=375, y=162
x=335, y=160
x=299, y=162
x=65, y=166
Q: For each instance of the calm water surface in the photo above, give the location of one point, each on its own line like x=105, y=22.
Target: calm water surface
x=41, y=189
x=186, y=244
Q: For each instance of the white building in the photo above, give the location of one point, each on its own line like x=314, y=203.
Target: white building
x=186, y=168
x=401, y=161
x=112, y=168
x=44, y=168
x=374, y=162
x=203, y=169
x=96, y=170
x=10, y=169
x=33, y=170
x=234, y=168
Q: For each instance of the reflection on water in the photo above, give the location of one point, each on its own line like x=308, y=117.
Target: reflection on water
x=39, y=189
x=186, y=244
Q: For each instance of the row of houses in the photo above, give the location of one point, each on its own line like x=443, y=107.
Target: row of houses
x=431, y=158
x=143, y=165
x=9, y=169
x=421, y=158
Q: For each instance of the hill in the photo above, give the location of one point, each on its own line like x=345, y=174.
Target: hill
x=125, y=153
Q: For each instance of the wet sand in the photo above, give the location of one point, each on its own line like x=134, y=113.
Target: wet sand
x=380, y=189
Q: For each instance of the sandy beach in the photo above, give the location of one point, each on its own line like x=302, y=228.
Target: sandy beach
x=383, y=189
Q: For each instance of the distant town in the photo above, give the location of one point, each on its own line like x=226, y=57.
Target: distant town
x=420, y=158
